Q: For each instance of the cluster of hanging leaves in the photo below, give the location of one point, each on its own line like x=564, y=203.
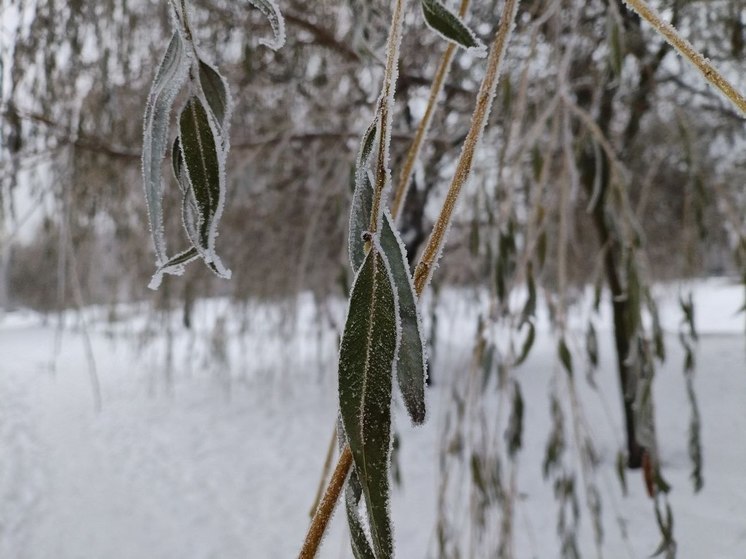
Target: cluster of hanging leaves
x=383, y=335
x=382, y=338
x=199, y=151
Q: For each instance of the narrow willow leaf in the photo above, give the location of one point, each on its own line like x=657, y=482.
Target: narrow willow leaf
x=514, y=432
x=529, y=309
x=169, y=79
x=411, y=367
x=565, y=356
x=362, y=198
x=276, y=21
x=215, y=89
x=367, y=355
x=528, y=343
x=202, y=166
x=591, y=345
x=450, y=26
x=361, y=548
x=621, y=471
x=174, y=266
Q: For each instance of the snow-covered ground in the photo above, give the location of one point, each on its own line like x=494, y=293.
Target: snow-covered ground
x=209, y=465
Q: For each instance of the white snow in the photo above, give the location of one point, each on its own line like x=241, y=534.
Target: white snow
x=225, y=467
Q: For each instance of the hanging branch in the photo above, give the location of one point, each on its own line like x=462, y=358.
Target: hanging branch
x=685, y=48
x=479, y=119
x=405, y=178
x=487, y=91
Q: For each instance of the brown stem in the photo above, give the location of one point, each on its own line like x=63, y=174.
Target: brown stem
x=463, y=169
x=405, y=178
x=326, y=507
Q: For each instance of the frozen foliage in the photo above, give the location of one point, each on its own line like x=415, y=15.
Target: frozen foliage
x=367, y=356
x=362, y=198
x=170, y=78
x=200, y=150
x=451, y=27
x=272, y=11
x=411, y=366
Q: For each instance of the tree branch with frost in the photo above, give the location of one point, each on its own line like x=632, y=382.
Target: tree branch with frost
x=479, y=119
x=405, y=178
x=685, y=48
x=487, y=91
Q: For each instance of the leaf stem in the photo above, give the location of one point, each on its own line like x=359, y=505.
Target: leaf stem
x=326, y=507
x=685, y=48
x=405, y=178
x=487, y=91
x=386, y=108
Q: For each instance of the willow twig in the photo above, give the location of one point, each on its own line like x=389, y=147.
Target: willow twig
x=405, y=178
x=326, y=507
x=487, y=91
x=685, y=48
x=386, y=109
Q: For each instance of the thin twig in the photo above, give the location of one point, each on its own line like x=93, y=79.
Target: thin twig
x=487, y=92
x=685, y=48
x=386, y=109
x=405, y=178
x=326, y=507
x=324, y=472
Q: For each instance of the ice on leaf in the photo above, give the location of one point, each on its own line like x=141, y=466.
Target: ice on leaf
x=170, y=78
x=272, y=12
x=362, y=198
x=411, y=366
x=450, y=26
x=367, y=355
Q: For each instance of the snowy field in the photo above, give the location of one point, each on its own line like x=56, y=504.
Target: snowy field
x=186, y=461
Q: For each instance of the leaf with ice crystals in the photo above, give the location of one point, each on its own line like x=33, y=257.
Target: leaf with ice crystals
x=411, y=367
x=450, y=26
x=276, y=21
x=362, y=198
x=367, y=356
x=204, y=178
x=215, y=88
x=358, y=538
x=169, y=79
x=174, y=267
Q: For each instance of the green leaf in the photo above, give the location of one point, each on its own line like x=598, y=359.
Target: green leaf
x=362, y=198
x=358, y=538
x=527, y=344
x=565, y=356
x=514, y=432
x=215, y=88
x=170, y=77
x=450, y=26
x=198, y=166
x=366, y=360
x=591, y=345
x=411, y=367
x=529, y=309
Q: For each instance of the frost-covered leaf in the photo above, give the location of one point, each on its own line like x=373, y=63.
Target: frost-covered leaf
x=276, y=21
x=202, y=167
x=174, y=266
x=215, y=88
x=362, y=198
x=528, y=343
x=169, y=79
x=361, y=548
x=450, y=26
x=565, y=356
x=366, y=360
x=411, y=367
